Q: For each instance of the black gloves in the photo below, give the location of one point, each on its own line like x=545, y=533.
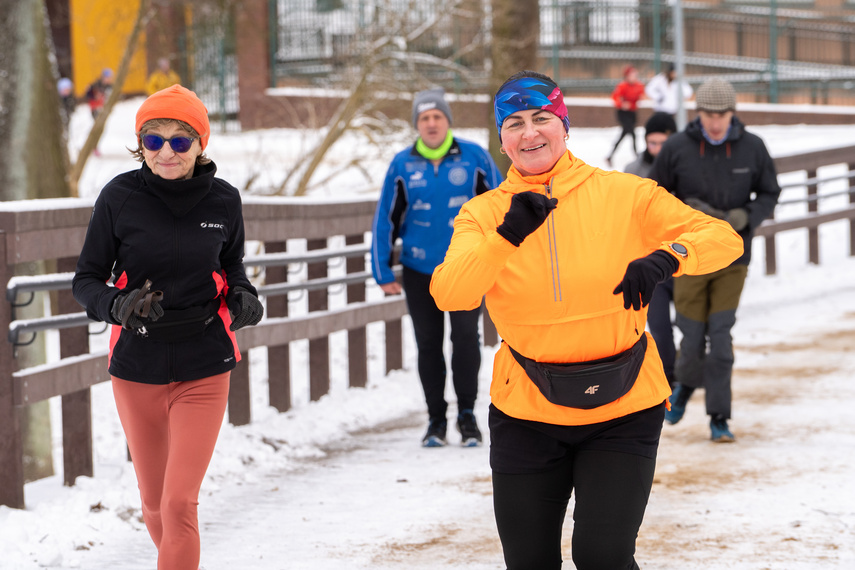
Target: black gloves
x=737, y=218
x=702, y=206
x=245, y=307
x=527, y=212
x=642, y=276
x=133, y=309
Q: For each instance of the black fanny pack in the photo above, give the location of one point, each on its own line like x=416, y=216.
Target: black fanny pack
x=586, y=385
x=182, y=324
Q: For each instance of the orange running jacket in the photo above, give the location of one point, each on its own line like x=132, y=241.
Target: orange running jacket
x=551, y=298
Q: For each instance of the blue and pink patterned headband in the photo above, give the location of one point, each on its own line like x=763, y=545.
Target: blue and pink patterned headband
x=528, y=93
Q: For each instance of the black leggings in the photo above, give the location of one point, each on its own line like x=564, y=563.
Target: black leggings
x=612, y=489
x=627, y=121
x=429, y=328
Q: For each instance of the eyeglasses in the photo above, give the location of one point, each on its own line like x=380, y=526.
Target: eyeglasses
x=177, y=144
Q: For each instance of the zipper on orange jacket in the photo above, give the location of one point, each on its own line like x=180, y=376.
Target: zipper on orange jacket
x=553, y=248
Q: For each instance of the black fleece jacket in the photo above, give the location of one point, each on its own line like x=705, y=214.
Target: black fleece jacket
x=187, y=237
x=739, y=173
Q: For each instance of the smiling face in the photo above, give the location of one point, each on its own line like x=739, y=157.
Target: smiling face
x=533, y=140
x=432, y=126
x=167, y=163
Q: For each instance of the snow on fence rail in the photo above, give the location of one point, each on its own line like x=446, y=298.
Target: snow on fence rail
x=54, y=230
x=333, y=235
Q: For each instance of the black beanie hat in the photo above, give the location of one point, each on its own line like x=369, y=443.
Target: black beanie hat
x=660, y=122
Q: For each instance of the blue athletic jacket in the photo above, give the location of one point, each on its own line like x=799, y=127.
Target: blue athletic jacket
x=418, y=203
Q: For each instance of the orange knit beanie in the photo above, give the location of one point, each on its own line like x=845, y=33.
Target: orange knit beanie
x=176, y=102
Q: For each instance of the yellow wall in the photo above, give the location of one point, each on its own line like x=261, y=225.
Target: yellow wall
x=99, y=33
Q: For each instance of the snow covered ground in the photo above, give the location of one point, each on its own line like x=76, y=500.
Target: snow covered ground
x=343, y=484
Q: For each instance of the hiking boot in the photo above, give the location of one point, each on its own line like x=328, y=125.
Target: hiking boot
x=720, y=431
x=469, y=433
x=435, y=436
x=679, y=398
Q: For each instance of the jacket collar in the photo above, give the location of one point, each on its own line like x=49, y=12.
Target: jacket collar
x=181, y=196
x=568, y=173
x=453, y=151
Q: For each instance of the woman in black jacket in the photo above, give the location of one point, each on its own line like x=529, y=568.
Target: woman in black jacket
x=170, y=237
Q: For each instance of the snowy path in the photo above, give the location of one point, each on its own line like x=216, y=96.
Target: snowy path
x=782, y=497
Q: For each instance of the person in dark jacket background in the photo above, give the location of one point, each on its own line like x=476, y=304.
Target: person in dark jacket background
x=171, y=237
x=425, y=186
x=657, y=129
x=719, y=168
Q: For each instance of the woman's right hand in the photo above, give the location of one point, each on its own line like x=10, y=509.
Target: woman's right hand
x=528, y=211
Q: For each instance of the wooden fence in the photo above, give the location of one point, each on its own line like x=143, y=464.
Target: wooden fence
x=54, y=230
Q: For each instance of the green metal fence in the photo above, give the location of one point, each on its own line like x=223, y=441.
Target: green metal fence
x=769, y=49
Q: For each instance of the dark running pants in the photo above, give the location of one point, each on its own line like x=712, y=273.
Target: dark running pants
x=627, y=121
x=611, y=490
x=706, y=312
x=429, y=328
x=661, y=327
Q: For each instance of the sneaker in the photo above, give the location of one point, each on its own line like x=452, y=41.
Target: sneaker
x=435, y=436
x=679, y=398
x=720, y=431
x=469, y=432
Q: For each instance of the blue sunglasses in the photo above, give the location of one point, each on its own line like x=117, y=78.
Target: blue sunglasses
x=177, y=144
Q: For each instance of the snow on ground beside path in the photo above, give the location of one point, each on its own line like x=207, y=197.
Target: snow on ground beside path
x=342, y=483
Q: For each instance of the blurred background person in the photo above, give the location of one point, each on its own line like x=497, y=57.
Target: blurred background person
x=657, y=129
x=425, y=186
x=65, y=88
x=162, y=77
x=626, y=96
x=719, y=168
x=98, y=91
x=665, y=89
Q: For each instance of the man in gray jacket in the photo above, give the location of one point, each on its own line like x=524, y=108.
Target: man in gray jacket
x=715, y=166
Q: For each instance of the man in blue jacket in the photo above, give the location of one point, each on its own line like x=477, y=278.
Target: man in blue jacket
x=425, y=186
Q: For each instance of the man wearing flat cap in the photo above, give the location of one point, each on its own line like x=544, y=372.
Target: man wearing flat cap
x=719, y=168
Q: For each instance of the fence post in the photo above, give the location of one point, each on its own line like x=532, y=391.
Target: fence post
x=851, y=167
x=357, y=339
x=394, y=345
x=319, y=348
x=491, y=335
x=278, y=357
x=239, y=395
x=76, y=407
x=813, y=233
x=11, y=439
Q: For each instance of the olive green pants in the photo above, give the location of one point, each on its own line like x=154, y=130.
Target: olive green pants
x=706, y=312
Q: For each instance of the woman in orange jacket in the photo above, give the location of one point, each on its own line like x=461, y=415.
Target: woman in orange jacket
x=568, y=256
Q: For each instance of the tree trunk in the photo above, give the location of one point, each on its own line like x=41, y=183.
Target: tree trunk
x=143, y=15
x=516, y=27
x=33, y=164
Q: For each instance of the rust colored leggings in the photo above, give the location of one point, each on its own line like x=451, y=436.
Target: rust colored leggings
x=171, y=431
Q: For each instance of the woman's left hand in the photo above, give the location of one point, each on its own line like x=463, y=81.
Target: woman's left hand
x=245, y=307
x=643, y=275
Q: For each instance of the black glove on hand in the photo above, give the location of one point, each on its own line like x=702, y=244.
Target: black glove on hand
x=132, y=310
x=642, y=276
x=245, y=307
x=737, y=218
x=702, y=206
x=527, y=213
